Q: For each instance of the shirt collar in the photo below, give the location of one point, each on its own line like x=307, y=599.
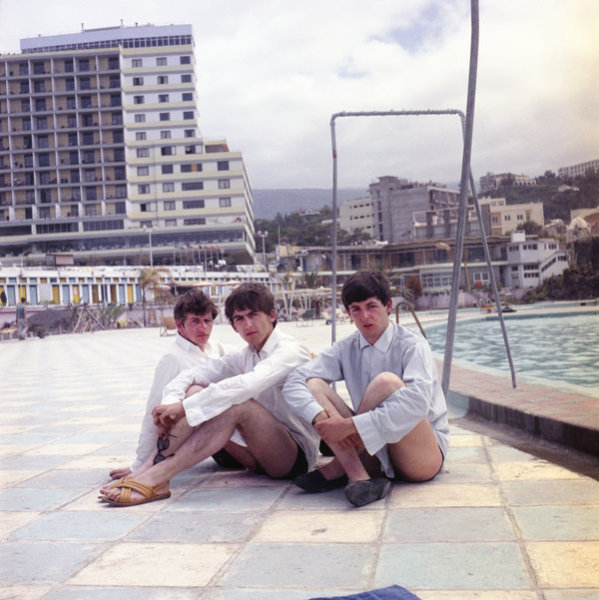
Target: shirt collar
x=383, y=343
x=269, y=344
x=189, y=346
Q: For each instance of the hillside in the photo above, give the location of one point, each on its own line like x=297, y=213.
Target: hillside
x=267, y=203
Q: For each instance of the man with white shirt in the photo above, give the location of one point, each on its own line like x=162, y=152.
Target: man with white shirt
x=398, y=426
x=233, y=403
x=194, y=314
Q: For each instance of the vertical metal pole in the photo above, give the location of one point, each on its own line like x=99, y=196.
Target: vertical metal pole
x=334, y=236
x=464, y=182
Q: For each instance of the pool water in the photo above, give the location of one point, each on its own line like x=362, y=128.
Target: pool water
x=557, y=348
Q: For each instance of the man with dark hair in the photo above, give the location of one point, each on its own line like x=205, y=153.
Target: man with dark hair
x=233, y=403
x=194, y=314
x=398, y=426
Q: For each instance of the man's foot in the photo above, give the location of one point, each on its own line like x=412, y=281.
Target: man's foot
x=143, y=493
x=315, y=482
x=363, y=492
x=120, y=473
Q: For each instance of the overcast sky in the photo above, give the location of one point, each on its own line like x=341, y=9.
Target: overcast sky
x=271, y=73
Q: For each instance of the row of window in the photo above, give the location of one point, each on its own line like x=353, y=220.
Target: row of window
x=168, y=205
x=163, y=116
x=170, y=150
x=161, y=61
x=166, y=134
x=186, y=186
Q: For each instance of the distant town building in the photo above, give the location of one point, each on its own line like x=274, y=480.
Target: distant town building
x=491, y=181
x=531, y=261
x=403, y=211
x=578, y=169
x=504, y=218
x=101, y=154
x=356, y=215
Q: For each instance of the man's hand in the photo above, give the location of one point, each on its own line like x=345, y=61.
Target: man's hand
x=166, y=416
x=337, y=430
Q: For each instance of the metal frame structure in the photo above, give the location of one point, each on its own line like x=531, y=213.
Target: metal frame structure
x=466, y=181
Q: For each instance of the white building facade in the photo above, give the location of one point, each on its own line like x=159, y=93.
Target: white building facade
x=101, y=154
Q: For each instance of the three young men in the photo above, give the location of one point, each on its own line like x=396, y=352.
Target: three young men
x=239, y=394
x=398, y=427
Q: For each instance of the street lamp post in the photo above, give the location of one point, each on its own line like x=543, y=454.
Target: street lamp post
x=263, y=235
x=149, y=231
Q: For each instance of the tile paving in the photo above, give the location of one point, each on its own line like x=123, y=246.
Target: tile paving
x=496, y=524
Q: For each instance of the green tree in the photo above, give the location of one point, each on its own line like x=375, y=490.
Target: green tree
x=150, y=280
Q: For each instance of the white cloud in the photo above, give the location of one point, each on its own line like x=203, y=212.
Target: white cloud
x=271, y=74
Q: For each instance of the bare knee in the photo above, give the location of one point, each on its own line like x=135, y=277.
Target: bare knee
x=380, y=388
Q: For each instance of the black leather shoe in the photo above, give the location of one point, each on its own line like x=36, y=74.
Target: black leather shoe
x=360, y=493
x=315, y=482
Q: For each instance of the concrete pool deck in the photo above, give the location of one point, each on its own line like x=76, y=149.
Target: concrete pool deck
x=497, y=524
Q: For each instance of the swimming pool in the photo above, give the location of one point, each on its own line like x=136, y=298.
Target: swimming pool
x=559, y=348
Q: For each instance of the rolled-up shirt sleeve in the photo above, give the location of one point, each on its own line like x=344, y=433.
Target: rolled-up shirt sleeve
x=399, y=413
x=235, y=379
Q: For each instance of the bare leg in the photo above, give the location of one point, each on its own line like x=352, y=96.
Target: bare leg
x=267, y=440
x=416, y=457
x=346, y=460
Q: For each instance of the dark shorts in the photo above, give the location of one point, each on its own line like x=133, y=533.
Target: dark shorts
x=299, y=467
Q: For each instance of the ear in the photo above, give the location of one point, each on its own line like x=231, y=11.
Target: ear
x=272, y=317
x=180, y=327
x=389, y=306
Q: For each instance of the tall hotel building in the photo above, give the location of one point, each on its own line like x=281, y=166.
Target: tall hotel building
x=101, y=156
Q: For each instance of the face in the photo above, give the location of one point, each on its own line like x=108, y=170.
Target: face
x=253, y=326
x=371, y=317
x=196, y=328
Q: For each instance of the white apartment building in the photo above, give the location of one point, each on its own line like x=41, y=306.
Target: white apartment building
x=101, y=154
x=492, y=181
x=578, y=169
x=503, y=218
x=530, y=262
x=356, y=214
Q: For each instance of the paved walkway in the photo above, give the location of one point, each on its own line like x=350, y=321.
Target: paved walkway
x=497, y=524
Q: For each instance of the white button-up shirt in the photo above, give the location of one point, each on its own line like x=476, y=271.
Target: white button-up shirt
x=357, y=362
x=182, y=355
x=244, y=374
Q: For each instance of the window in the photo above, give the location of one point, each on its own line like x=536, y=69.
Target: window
x=90, y=193
x=140, y=135
x=85, y=83
x=138, y=81
x=161, y=61
x=191, y=149
x=44, y=160
x=84, y=64
x=136, y=62
x=165, y=134
x=88, y=139
x=115, y=100
x=192, y=185
x=90, y=175
x=143, y=152
x=42, y=123
x=224, y=202
x=86, y=101
x=222, y=165
x=113, y=62
x=39, y=86
x=138, y=99
x=71, y=103
x=74, y=176
x=188, y=168
x=162, y=79
x=186, y=78
x=187, y=96
x=167, y=150
x=169, y=205
x=162, y=98
x=185, y=60
x=117, y=118
x=68, y=65
x=114, y=81
x=167, y=169
x=73, y=158
x=140, y=118
x=168, y=187
x=188, y=114
x=190, y=133
x=165, y=116
x=89, y=156
x=117, y=136
x=148, y=207
x=143, y=171
x=143, y=189
x=196, y=221
x=40, y=104
x=170, y=222
x=224, y=184
x=187, y=204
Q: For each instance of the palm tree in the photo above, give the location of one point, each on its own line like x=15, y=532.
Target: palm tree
x=150, y=279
